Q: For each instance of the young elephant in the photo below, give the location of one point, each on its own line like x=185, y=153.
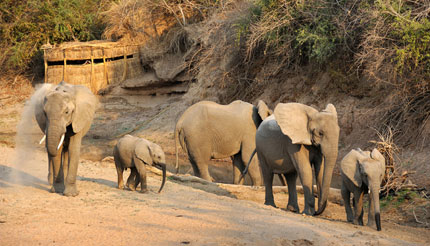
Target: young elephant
x=133, y=152
x=362, y=171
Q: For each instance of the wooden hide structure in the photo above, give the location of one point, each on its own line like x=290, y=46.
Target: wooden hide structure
x=94, y=64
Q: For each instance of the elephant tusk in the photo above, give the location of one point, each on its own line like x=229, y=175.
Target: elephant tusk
x=43, y=139
x=61, y=142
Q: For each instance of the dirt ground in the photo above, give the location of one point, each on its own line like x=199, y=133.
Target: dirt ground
x=183, y=213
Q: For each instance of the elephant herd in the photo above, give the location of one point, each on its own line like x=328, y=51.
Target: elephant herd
x=289, y=141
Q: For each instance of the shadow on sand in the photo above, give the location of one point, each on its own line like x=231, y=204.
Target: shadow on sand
x=10, y=175
x=99, y=181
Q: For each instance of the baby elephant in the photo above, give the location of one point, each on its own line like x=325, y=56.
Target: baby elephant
x=362, y=171
x=133, y=152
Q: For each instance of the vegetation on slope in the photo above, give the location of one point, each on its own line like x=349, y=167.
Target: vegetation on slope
x=380, y=43
x=26, y=25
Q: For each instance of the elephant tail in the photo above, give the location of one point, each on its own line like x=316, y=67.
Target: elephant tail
x=177, y=136
x=247, y=165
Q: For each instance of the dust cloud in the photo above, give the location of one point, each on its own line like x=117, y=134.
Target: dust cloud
x=30, y=165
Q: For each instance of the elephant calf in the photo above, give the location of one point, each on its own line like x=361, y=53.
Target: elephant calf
x=134, y=152
x=362, y=171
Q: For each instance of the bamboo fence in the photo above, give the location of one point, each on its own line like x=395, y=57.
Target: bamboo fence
x=95, y=64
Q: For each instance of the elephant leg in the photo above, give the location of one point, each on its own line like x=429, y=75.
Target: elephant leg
x=58, y=184
x=199, y=154
x=358, y=213
x=196, y=170
x=65, y=164
x=238, y=167
x=268, y=182
x=50, y=171
x=318, y=163
x=74, y=153
x=137, y=180
x=254, y=169
x=303, y=166
x=200, y=167
x=292, y=205
x=141, y=170
x=119, y=171
x=346, y=195
x=131, y=181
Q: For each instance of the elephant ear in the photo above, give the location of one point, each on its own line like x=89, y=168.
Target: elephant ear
x=330, y=109
x=293, y=118
x=85, y=107
x=37, y=100
x=376, y=155
x=263, y=110
x=143, y=151
x=350, y=167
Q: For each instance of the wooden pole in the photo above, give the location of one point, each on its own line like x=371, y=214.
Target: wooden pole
x=92, y=82
x=64, y=64
x=45, y=61
x=124, y=74
x=105, y=67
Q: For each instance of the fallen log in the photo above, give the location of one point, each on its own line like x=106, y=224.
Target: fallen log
x=334, y=195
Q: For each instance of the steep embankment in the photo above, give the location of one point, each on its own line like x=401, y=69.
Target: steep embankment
x=232, y=50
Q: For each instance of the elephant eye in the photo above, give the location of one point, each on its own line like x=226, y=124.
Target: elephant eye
x=321, y=133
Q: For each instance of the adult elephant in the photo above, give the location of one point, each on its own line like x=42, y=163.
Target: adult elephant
x=64, y=113
x=209, y=130
x=291, y=141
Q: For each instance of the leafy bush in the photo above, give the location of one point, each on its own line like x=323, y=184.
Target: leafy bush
x=301, y=31
x=26, y=25
x=395, y=53
x=396, y=45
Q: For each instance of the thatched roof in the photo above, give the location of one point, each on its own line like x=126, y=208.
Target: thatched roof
x=86, y=50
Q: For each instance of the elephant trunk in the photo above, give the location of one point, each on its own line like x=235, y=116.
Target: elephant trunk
x=374, y=193
x=330, y=157
x=53, y=140
x=162, y=166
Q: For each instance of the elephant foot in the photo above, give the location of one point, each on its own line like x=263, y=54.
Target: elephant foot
x=371, y=223
x=357, y=222
x=71, y=190
x=270, y=204
x=50, y=179
x=143, y=191
x=293, y=208
x=309, y=211
x=57, y=188
x=350, y=219
x=131, y=187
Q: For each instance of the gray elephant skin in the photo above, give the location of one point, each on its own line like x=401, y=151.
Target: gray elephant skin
x=362, y=171
x=64, y=113
x=208, y=130
x=134, y=153
x=291, y=141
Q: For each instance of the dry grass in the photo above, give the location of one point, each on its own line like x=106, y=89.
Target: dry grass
x=141, y=20
x=14, y=89
x=396, y=177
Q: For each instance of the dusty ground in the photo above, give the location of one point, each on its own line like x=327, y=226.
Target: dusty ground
x=184, y=213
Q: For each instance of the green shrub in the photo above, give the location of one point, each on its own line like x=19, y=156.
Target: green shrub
x=301, y=31
x=26, y=25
